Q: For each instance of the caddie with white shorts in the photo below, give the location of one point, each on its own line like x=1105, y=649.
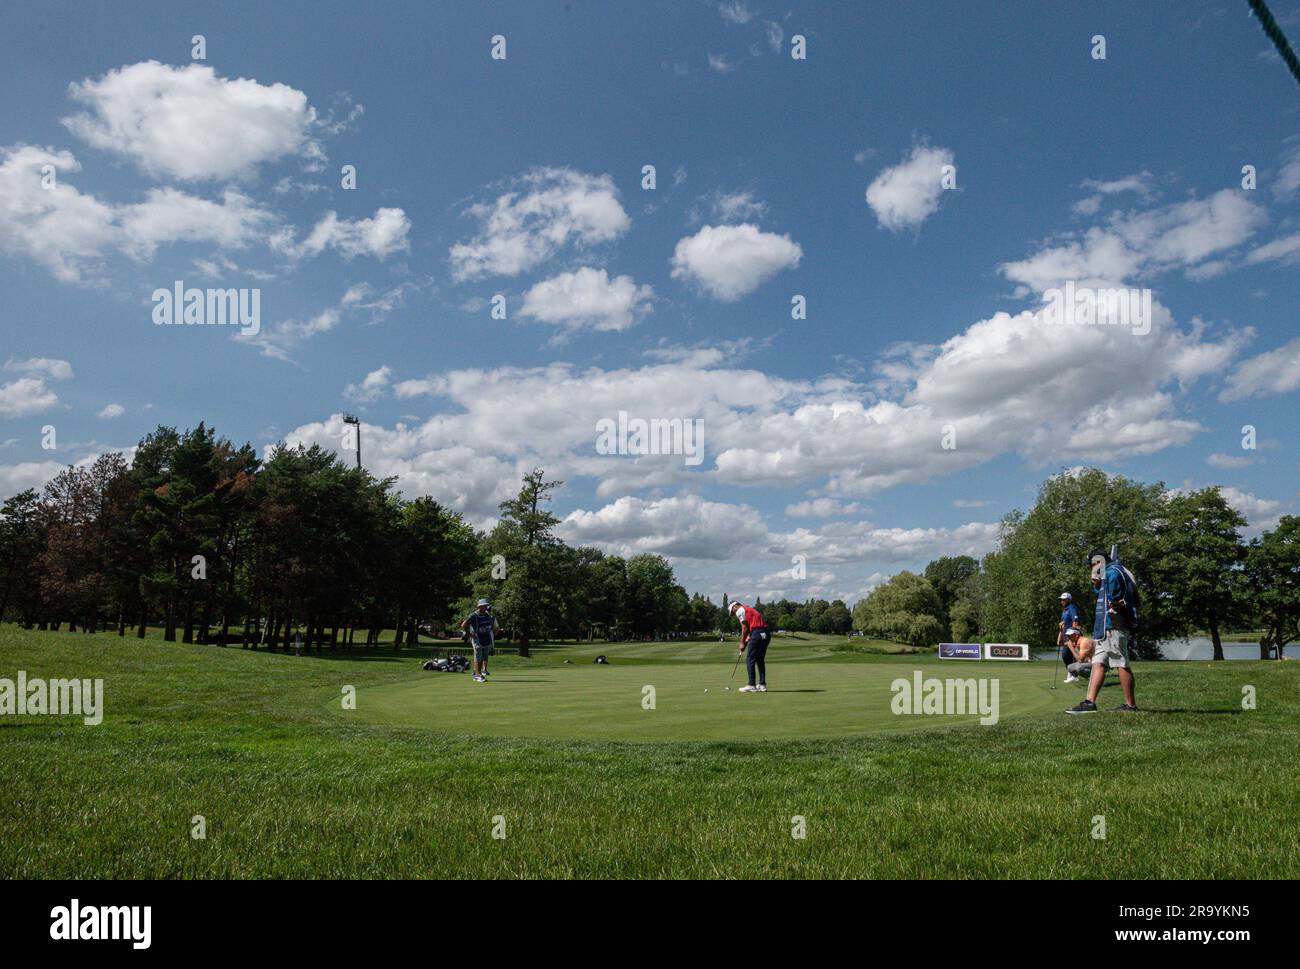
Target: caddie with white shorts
x=1111, y=650
x=1116, y=617
x=482, y=628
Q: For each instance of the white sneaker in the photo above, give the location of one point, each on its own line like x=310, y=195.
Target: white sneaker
x=760, y=688
x=479, y=679
x=1071, y=678
x=748, y=689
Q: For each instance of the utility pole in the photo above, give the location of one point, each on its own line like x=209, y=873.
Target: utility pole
x=356, y=422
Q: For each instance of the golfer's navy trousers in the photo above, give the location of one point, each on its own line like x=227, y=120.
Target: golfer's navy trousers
x=756, y=652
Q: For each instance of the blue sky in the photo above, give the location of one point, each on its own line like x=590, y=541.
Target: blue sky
x=776, y=177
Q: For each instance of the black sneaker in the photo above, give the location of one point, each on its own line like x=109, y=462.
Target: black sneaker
x=1083, y=706
x=1126, y=708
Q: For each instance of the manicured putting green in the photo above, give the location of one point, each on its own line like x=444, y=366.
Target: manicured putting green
x=591, y=702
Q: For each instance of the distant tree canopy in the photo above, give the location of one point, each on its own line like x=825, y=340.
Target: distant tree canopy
x=1273, y=585
x=1194, y=571
x=906, y=608
x=947, y=576
x=1200, y=564
x=826, y=617
x=966, y=614
x=1045, y=552
x=213, y=544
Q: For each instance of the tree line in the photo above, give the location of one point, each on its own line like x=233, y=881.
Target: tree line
x=214, y=545
x=1195, y=571
x=810, y=616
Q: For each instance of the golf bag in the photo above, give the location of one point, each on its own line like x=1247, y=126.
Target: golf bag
x=1132, y=598
x=452, y=664
x=1129, y=605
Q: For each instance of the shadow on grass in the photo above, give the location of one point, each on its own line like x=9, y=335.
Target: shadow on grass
x=512, y=679
x=366, y=657
x=383, y=654
x=770, y=690
x=1142, y=709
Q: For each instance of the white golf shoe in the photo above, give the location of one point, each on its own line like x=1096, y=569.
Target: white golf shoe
x=761, y=688
x=748, y=689
x=1071, y=679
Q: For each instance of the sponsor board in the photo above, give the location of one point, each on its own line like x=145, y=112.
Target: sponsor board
x=959, y=651
x=1006, y=651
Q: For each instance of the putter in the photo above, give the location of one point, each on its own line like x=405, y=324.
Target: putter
x=1062, y=659
x=736, y=665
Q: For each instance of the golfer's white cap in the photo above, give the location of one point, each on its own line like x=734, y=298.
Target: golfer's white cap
x=483, y=602
x=737, y=607
x=1072, y=631
x=1065, y=596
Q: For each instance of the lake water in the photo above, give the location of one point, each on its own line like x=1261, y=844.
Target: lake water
x=1202, y=648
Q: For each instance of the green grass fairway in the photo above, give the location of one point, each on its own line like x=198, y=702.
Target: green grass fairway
x=1192, y=787
x=588, y=702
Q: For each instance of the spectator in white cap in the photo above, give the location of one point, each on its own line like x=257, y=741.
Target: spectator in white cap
x=1069, y=620
x=1080, y=647
x=482, y=627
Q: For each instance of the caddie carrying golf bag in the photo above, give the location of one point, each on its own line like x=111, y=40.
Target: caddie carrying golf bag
x=1126, y=606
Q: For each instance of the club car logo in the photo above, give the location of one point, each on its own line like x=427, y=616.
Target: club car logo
x=36, y=697
x=100, y=923
x=960, y=651
x=929, y=696
x=1006, y=651
x=209, y=307
x=658, y=435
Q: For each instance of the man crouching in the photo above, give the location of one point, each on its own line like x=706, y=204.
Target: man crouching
x=1080, y=649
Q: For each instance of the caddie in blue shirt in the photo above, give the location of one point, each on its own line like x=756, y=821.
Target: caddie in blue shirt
x=482, y=627
x=1113, y=629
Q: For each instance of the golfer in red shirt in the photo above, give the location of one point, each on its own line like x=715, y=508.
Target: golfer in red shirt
x=754, y=639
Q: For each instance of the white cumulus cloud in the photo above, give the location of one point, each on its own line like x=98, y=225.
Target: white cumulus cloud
x=1274, y=372
x=731, y=261
x=904, y=196
x=1179, y=236
x=588, y=298
x=821, y=508
x=29, y=393
x=70, y=233
x=685, y=526
x=379, y=236
x=371, y=388
x=539, y=214
x=189, y=123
